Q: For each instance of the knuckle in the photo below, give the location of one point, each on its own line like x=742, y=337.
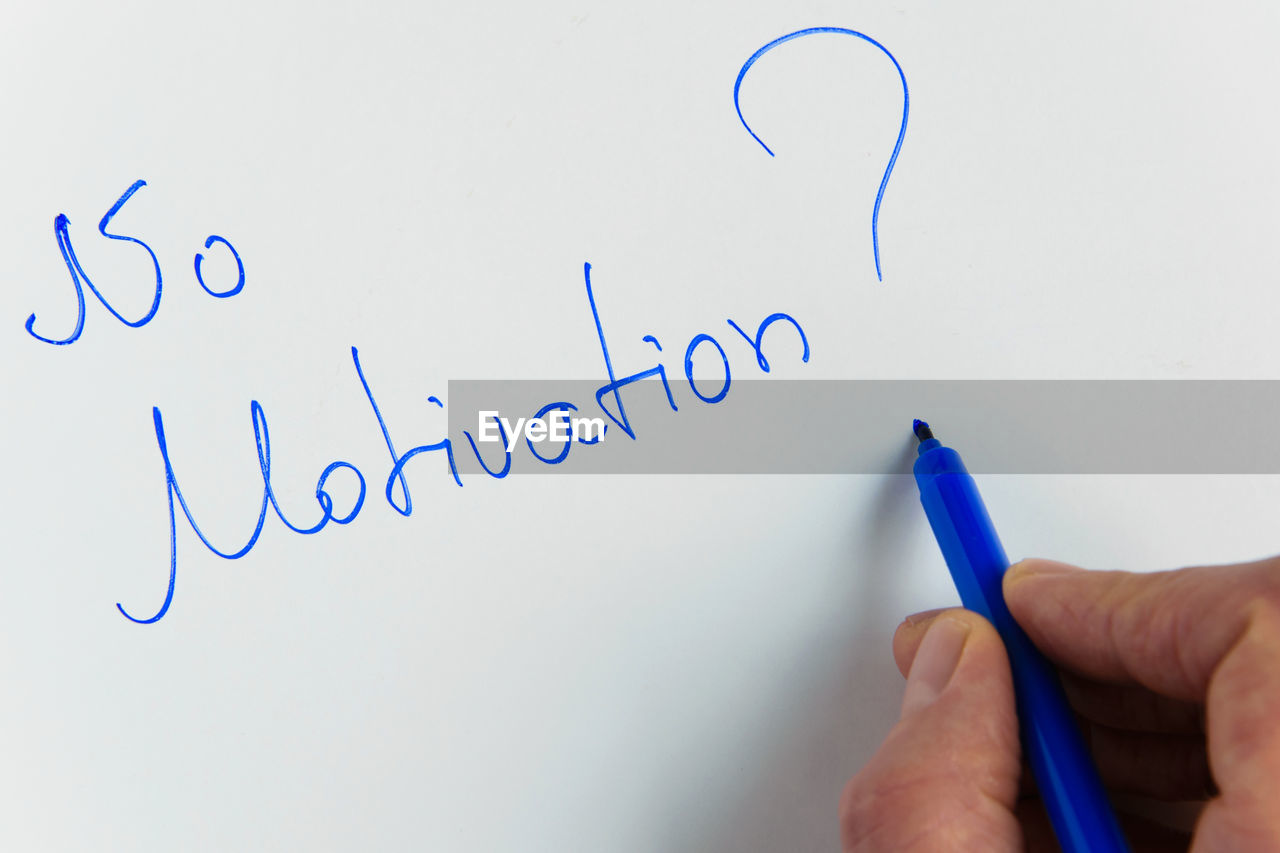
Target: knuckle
x=1267, y=592
x=901, y=808
x=856, y=810
x=870, y=807
x=1172, y=627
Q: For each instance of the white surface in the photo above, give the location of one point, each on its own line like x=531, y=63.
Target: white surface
x=622, y=664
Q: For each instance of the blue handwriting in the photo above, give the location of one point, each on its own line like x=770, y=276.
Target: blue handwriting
x=902, y=130
x=396, y=487
x=62, y=234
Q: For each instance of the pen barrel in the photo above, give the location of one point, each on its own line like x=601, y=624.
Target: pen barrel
x=1072, y=791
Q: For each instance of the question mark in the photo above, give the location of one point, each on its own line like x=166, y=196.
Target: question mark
x=902, y=131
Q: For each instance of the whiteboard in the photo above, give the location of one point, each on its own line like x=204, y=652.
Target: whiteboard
x=607, y=662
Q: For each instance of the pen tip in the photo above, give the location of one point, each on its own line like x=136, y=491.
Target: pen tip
x=921, y=429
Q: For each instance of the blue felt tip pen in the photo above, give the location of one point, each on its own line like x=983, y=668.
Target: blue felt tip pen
x=1077, y=803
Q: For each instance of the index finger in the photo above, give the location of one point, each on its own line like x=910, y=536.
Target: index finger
x=1167, y=631
x=1209, y=634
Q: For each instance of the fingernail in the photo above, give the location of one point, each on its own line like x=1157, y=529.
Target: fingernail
x=1033, y=567
x=921, y=619
x=935, y=660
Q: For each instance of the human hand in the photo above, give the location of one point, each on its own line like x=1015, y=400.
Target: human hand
x=1175, y=677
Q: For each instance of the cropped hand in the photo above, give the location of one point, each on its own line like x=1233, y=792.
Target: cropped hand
x=1175, y=677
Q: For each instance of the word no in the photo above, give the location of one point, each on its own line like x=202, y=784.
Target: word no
x=61, y=232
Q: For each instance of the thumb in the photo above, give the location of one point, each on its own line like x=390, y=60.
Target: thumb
x=946, y=777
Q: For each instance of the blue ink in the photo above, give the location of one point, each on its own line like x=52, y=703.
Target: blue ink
x=398, y=461
x=73, y=265
x=506, y=464
x=60, y=230
x=902, y=131
x=325, y=500
x=580, y=440
x=662, y=375
x=61, y=233
x=397, y=471
x=263, y=440
x=221, y=294
x=758, y=343
x=615, y=385
x=688, y=368
x=102, y=229
x=543, y=412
